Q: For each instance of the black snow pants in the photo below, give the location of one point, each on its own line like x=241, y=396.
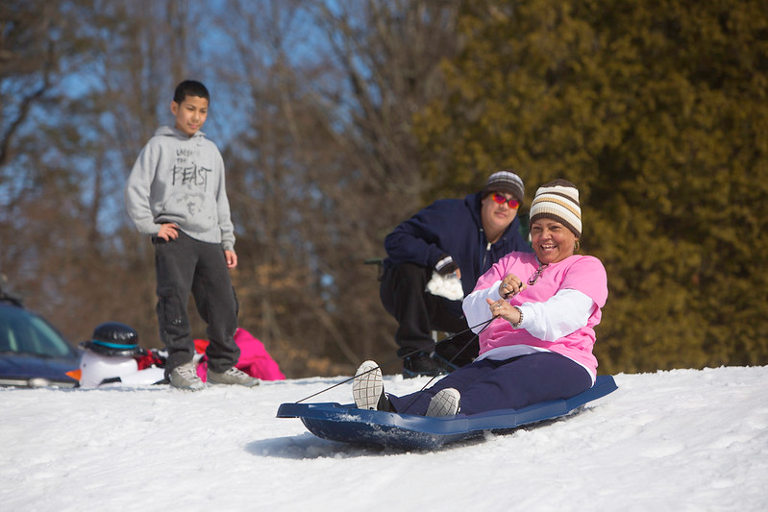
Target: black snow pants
x=185, y=266
x=418, y=313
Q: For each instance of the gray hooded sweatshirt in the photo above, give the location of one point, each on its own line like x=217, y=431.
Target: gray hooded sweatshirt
x=180, y=179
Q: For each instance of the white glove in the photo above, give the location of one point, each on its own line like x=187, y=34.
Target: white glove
x=448, y=286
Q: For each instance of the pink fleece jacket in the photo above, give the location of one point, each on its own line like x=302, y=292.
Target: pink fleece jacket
x=254, y=358
x=583, y=273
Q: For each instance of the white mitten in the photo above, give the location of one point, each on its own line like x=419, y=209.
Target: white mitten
x=448, y=286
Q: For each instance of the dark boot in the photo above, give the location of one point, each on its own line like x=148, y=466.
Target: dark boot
x=457, y=352
x=422, y=364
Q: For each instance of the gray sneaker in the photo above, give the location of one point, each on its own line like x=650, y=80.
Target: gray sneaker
x=233, y=376
x=367, y=387
x=444, y=403
x=185, y=377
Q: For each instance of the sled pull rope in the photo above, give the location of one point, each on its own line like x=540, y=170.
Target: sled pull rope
x=447, y=338
x=485, y=325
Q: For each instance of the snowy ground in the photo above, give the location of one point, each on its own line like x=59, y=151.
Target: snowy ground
x=681, y=440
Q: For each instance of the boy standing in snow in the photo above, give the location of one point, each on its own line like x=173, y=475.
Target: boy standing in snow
x=176, y=193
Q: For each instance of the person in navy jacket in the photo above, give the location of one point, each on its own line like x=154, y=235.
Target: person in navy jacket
x=435, y=258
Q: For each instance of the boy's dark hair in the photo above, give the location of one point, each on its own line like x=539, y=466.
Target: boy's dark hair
x=190, y=88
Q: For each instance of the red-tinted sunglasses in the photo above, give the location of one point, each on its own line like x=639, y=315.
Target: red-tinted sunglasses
x=500, y=199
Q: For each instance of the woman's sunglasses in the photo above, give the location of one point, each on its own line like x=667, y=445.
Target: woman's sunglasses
x=500, y=199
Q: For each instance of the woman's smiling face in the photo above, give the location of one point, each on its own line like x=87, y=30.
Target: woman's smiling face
x=551, y=240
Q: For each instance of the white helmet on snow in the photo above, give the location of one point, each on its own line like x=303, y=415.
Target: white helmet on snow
x=97, y=369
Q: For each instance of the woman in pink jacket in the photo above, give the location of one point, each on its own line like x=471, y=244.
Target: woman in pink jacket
x=535, y=315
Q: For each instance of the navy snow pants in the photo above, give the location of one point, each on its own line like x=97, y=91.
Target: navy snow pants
x=510, y=384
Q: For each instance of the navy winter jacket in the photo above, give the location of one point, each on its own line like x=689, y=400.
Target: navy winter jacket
x=453, y=227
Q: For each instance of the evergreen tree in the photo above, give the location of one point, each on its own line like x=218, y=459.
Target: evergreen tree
x=657, y=111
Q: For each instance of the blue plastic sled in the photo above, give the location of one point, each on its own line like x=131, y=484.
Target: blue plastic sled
x=346, y=423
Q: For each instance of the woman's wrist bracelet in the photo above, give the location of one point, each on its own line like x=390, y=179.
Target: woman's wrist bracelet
x=520, y=321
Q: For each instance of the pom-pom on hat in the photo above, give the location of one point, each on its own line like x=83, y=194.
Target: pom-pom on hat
x=505, y=181
x=558, y=200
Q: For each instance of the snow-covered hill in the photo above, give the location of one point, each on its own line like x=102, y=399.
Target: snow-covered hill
x=678, y=440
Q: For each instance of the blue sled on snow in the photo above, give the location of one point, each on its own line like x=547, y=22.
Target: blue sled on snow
x=346, y=423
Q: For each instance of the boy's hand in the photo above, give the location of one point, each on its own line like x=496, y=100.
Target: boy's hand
x=168, y=232
x=231, y=258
